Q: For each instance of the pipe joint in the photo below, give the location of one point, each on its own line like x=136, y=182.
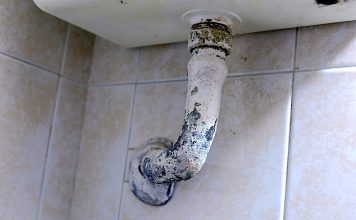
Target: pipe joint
x=211, y=33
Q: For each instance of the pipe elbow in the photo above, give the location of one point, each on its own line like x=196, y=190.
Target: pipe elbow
x=156, y=168
x=185, y=158
x=195, y=163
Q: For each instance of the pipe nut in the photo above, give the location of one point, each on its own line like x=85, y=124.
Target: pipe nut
x=210, y=34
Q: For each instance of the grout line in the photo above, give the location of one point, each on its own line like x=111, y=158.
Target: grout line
x=259, y=73
x=85, y=113
x=230, y=75
x=138, y=82
x=51, y=133
x=74, y=81
x=98, y=85
x=296, y=46
x=295, y=54
x=286, y=154
x=92, y=58
x=323, y=68
x=163, y=80
x=9, y=56
x=132, y=107
x=81, y=133
x=80, y=147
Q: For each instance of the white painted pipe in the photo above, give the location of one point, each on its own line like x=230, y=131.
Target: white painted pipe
x=206, y=74
x=161, y=163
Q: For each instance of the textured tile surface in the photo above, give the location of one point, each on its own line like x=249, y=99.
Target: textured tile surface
x=112, y=63
x=31, y=34
x=162, y=62
x=26, y=102
x=63, y=152
x=245, y=171
x=327, y=46
x=79, y=55
x=322, y=161
x=158, y=111
x=102, y=154
x=265, y=51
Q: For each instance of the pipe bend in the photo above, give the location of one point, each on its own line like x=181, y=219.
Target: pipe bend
x=183, y=159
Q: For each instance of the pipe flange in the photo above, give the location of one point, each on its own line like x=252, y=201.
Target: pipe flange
x=211, y=29
x=146, y=191
x=212, y=35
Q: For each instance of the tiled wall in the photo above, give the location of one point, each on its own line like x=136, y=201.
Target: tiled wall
x=285, y=145
x=44, y=69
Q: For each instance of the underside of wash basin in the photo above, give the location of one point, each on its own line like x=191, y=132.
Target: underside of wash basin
x=133, y=23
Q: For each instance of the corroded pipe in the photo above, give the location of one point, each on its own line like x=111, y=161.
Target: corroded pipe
x=162, y=163
x=181, y=161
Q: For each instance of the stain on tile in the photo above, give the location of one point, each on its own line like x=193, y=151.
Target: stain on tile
x=63, y=152
x=79, y=55
x=27, y=97
x=328, y=45
x=112, y=63
x=322, y=161
x=265, y=51
x=164, y=103
x=30, y=34
x=102, y=155
x=161, y=62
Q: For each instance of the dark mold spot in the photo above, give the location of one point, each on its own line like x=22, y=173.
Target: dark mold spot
x=190, y=122
x=197, y=104
x=194, y=140
x=194, y=91
x=123, y=2
x=212, y=25
x=327, y=2
x=218, y=56
x=193, y=117
x=189, y=175
x=195, y=49
x=209, y=135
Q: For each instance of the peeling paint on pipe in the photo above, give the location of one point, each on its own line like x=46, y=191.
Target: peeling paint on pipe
x=158, y=166
x=181, y=161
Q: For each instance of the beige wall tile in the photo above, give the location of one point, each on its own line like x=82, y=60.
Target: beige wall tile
x=244, y=175
x=102, y=155
x=63, y=152
x=112, y=63
x=163, y=62
x=27, y=97
x=158, y=111
x=322, y=161
x=265, y=51
x=29, y=33
x=79, y=55
x=327, y=46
